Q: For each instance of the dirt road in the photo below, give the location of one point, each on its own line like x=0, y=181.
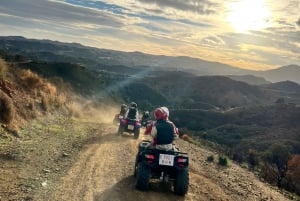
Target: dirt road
x=104, y=172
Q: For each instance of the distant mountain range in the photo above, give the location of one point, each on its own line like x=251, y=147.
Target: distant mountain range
x=117, y=61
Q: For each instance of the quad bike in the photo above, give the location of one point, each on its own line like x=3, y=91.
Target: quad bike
x=117, y=119
x=145, y=123
x=167, y=166
x=130, y=126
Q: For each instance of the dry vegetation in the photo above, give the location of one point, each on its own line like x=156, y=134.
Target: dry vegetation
x=24, y=95
x=3, y=69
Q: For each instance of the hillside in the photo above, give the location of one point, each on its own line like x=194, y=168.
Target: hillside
x=249, y=79
x=25, y=95
x=194, y=92
x=210, y=108
x=99, y=59
x=290, y=73
x=92, y=57
x=287, y=86
x=255, y=135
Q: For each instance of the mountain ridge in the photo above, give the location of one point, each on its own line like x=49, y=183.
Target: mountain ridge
x=95, y=57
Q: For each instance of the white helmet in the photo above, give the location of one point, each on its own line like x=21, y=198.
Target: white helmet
x=166, y=110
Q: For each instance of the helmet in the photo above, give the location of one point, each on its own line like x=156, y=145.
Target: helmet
x=123, y=106
x=160, y=113
x=133, y=104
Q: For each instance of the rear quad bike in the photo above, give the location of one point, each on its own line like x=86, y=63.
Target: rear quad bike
x=130, y=126
x=167, y=166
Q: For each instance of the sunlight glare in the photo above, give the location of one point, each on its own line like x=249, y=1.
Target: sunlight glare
x=246, y=15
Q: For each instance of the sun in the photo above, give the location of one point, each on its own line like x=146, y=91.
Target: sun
x=247, y=15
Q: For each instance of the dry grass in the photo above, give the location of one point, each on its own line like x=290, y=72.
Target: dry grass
x=7, y=110
x=3, y=69
x=46, y=93
x=31, y=80
x=187, y=138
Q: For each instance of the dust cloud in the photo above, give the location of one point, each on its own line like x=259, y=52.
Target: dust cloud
x=92, y=110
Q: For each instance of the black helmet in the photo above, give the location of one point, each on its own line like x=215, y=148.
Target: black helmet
x=133, y=104
x=123, y=105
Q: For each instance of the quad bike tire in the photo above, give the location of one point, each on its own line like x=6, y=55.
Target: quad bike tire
x=143, y=176
x=181, y=183
x=121, y=130
x=136, y=133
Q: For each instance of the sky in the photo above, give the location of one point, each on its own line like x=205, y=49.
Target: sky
x=250, y=34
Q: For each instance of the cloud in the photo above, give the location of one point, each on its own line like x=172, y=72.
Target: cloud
x=203, y=7
x=57, y=12
x=214, y=40
x=298, y=22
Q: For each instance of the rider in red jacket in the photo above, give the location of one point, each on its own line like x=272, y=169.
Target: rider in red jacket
x=163, y=131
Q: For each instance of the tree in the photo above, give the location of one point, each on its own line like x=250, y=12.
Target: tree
x=252, y=158
x=278, y=156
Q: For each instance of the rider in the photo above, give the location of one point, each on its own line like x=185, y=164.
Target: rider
x=163, y=131
x=146, y=116
x=123, y=109
x=132, y=112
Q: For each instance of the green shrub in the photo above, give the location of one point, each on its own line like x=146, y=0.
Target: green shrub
x=223, y=161
x=210, y=158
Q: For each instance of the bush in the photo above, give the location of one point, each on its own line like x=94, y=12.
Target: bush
x=31, y=80
x=223, y=161
x=186, y=137
x=253, y=158
x=7, y=110
x=210, y=158
x=3, y=69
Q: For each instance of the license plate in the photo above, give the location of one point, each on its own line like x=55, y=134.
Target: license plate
x=165, y=159
x=130, y=127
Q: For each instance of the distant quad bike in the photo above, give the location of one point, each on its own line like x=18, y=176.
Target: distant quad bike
x=167, y=166
x=130, y=126
x=145, y=123
x=117, y=119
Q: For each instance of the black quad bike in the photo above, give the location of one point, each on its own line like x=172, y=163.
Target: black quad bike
x=145, y=122
x=130, y=126
x=167, y=166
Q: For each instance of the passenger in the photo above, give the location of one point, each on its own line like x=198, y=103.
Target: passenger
x=123, y=109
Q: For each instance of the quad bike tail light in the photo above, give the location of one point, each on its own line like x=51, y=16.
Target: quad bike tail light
x=149, y=158
x=137, y=124
x=181, y=161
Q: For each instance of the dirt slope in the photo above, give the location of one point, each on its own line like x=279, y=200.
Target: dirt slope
x=104, y=172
